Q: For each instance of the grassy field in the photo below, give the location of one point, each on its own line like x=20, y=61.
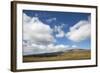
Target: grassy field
x=71, y=55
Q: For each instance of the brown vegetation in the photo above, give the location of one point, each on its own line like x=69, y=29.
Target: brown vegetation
x=68, y=55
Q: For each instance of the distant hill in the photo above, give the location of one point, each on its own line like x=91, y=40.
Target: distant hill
x=72, y=54
x=57, y=53
x=76, y=50
x=46, y=54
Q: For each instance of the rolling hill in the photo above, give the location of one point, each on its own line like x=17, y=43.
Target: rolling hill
x=72, y=54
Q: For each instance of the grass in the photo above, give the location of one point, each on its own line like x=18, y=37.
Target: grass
x=71, y=55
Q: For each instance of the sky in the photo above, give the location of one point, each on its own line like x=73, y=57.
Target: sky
x=51, y=31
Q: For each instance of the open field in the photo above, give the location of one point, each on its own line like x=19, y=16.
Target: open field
x=68, y=55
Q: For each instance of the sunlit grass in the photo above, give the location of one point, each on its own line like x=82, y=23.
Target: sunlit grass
x=72, y=55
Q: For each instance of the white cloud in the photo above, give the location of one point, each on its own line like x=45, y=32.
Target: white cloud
x=33, y=49
x=60, y=32
x=56, y=48
x=36, y=31
x=52, y=19
x=26, y=18
x=80, y=31
x=74, y=46
x=36, y=49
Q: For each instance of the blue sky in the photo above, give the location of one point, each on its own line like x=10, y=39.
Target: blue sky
x=64, y=21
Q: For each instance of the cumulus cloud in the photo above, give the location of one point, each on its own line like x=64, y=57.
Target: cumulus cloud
x=26, y=18
x=74, y=46
x=36, y=31
x=56, y=48
x=52, y=19
x=80, y=31
x=60, y=32
x=38, y=49
x=33, y=49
